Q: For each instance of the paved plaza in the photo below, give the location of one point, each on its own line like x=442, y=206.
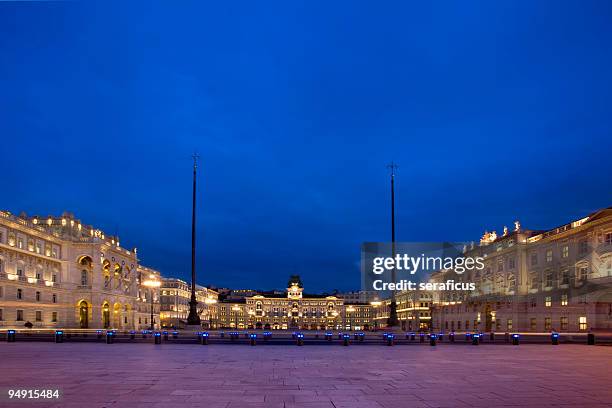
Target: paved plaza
x=174, y=375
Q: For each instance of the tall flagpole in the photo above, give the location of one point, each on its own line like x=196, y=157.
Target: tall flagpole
x=193, y=318
x=393, y=320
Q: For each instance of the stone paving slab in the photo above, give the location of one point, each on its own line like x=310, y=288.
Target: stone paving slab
x=225, y=376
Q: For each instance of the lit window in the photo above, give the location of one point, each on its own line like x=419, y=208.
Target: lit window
x=547, y=323
x=564, y=323
x=533, y=323
x=565, y=251
x=564, y=300
x=582, y=323
x=509, y=324
x=548, y=301
x=549, y=255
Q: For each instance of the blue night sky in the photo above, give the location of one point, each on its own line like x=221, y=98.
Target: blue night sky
x=494, y=112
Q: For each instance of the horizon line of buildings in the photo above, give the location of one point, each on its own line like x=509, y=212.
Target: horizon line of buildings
x=58, y=272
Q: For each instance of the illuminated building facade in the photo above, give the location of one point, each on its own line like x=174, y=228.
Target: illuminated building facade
x=413, y=310
x=175, y=295
x=292, y=310
x=58, y=272
x=535, y=281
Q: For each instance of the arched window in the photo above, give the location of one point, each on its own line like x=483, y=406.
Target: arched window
x=85, y=261
x=83, y=315
x=105, y=315
x=83, y=277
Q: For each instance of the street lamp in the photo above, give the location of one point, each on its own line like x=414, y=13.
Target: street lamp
x=350, y=310
x=236, y=309
x=210, y=301
x=152, y=283
x=375, y=304
x=251, y=314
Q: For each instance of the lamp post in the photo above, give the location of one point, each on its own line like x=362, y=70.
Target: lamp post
x=152, y=283
x=393, y=320
x=349, y=311
x=375, y=304
x=236, y=309
x=193, y=319
x=209, y=302
x=251, y=314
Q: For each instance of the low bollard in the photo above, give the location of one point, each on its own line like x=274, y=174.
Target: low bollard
x=345, y=339
x=99, y=334
x=440, y=337
x=492, y=337
x=356, y=336
x=165, y=336
x=110, y=337
x=267, y=335
x=451, y=337
x=175, y=335
x=407, y=336
x=422, y=337
x=222, y=334
x=361, y=337
x=468, y=336
x=432, y=339
x=59, y=336
x=204, y=338
x=475, y=339
x=253, y=337
x=299, y=339
x=591, y=339
x=232, y=336
x=157, y=337
x=412, y=336
x=390, y=339
x=132, y=335
x=328, y=336
x=340, y=336
x=144, y=334
x=516, y=339
x=10, y=336
x=554, y=339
